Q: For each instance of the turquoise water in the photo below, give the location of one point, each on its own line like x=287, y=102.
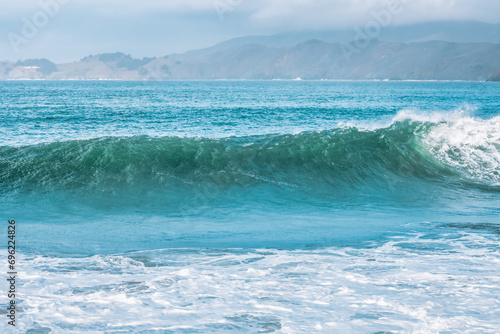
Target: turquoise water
x=213, y=207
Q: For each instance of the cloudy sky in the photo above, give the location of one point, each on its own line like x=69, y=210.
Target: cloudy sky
x=67, y=30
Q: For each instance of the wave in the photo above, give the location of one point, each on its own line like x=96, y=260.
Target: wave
x=434, y=148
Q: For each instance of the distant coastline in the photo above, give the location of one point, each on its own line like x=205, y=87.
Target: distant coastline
x=311, y=60
x=439, y=51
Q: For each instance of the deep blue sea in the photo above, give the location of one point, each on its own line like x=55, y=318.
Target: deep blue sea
x=252, y=207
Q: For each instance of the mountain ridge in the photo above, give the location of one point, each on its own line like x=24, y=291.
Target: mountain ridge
x=410, y=54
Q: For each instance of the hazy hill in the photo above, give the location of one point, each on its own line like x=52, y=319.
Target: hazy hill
x=467, y=51
x=319, y=60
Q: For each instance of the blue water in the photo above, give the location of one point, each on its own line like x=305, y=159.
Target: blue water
x=291, y=207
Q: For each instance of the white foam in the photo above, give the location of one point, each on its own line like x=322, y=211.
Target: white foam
x=435, y=116
x=411, y=115
x=470, y=145
x=399, y=286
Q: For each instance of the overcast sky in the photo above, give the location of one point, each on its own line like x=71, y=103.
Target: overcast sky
x=76, y=28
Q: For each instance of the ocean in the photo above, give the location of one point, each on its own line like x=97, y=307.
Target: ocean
x=252, y=206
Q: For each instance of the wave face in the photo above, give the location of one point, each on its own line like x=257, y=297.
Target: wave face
x=459, y=149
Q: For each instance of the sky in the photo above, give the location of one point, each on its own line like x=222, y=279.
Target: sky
x=67, y=30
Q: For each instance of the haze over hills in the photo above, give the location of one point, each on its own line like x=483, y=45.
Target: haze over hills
x=431, y=51
x=456, y=32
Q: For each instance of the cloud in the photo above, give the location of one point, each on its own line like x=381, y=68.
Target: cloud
x=295, y=14
x=323, y=14
x=157, y=27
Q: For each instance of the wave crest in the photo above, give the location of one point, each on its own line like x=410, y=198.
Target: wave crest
x=456, y=147
x=469, y=145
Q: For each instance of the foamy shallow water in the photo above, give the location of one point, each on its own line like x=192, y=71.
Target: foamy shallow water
x=410, y=284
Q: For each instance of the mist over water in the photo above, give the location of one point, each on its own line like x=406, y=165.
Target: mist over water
x=375, y=203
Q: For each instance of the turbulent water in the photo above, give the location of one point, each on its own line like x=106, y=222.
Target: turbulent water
x=245, y=207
